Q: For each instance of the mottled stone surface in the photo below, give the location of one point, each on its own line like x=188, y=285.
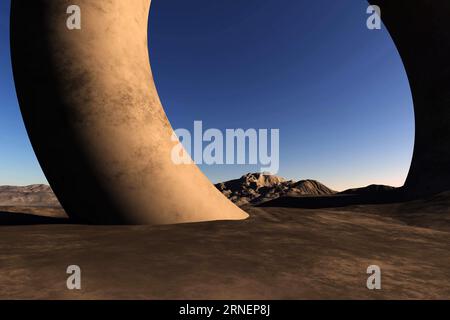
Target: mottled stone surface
x=95, y=119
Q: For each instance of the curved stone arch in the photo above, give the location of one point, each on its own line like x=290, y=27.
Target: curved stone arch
x=95, y=120
x=421, y=32
x=110, y=164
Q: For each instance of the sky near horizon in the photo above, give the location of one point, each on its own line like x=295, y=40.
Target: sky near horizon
x=337, y=91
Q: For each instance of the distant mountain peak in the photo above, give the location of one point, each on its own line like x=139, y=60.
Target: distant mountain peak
x=256, y=188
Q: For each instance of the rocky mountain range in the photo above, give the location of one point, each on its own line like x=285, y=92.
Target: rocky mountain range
x=33, y=195
x=256, y=188
x=250, y=189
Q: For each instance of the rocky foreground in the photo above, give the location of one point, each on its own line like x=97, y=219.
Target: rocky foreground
x=278, y=253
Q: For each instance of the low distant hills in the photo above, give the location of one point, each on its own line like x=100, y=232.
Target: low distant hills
x=37, y=195
x=250, y=189
x=372, y=189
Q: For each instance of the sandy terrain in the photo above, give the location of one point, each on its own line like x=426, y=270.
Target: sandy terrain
x=279, y=253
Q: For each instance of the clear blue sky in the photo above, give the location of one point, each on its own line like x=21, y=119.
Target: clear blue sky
x=337, y=91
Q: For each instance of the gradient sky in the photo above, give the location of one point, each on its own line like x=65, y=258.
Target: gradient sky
x=337, y=91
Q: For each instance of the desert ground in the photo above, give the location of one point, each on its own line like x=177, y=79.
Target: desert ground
x=278, y=253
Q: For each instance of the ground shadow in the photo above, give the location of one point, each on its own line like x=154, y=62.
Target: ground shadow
x=337, y=200
x=19, y=219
